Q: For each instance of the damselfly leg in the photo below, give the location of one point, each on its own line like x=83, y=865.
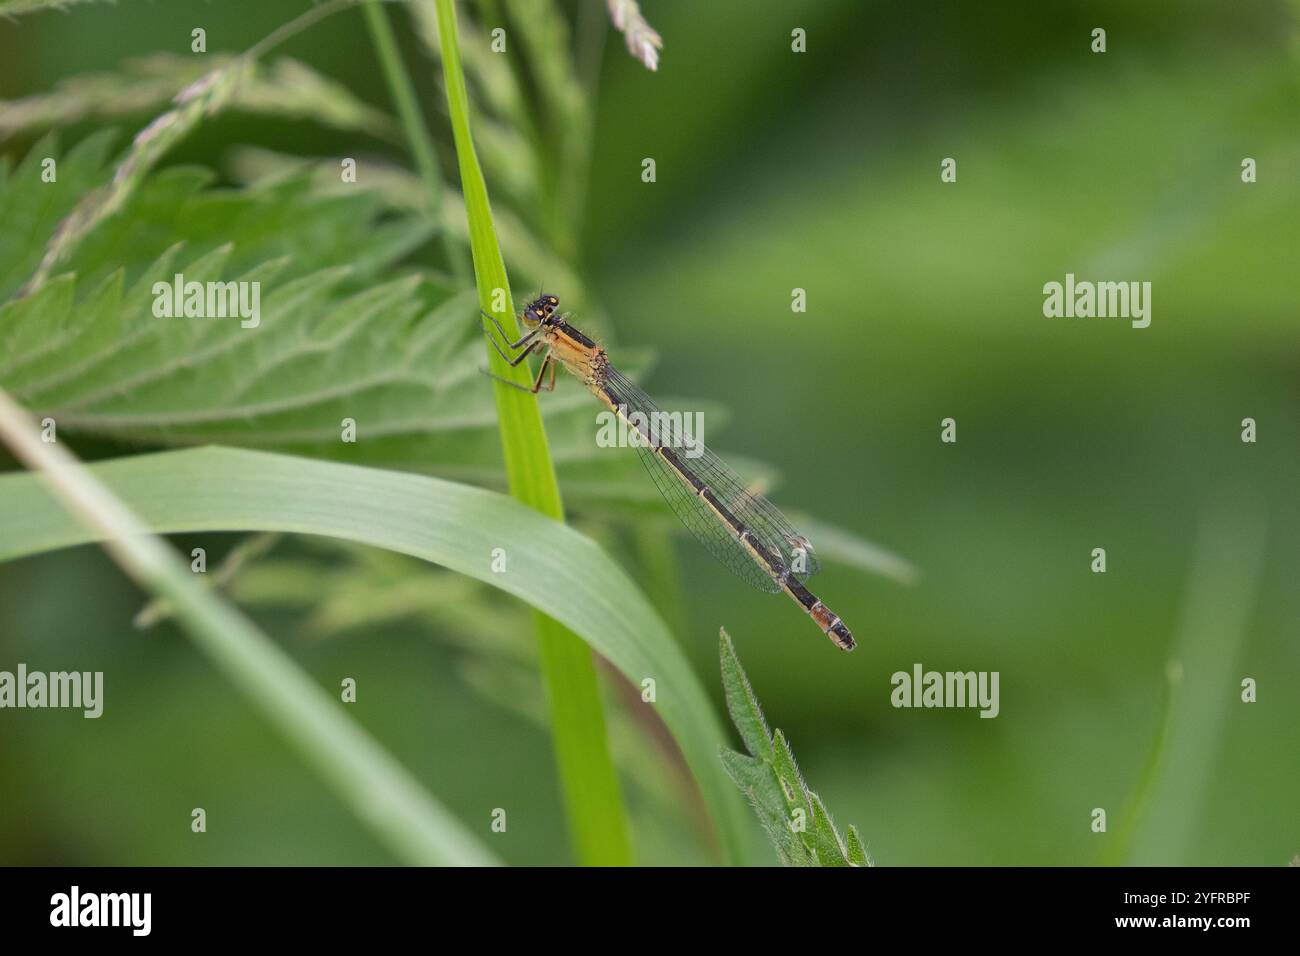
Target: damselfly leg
x=504, y=337
x=548, y=363
x=530, y=340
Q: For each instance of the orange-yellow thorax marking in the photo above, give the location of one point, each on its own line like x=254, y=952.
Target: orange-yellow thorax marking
x=584, y=361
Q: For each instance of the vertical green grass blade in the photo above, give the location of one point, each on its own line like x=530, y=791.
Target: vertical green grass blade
x=597, y=821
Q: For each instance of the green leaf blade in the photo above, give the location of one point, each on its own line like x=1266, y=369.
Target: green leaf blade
x=597, y=819
x=556, y=570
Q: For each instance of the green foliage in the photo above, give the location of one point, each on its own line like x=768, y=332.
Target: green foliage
x=564, y=125
x=533, y=118
x=280, y=218
x=334, y=342
x=380, y=791
x=418, y=138
x=344, y=334
x=836, y=544
x=1124, y=165
x=203, y=97
x=286, y=88
x=794, y=817
x=337, y=590
x=346, y=330
x=597, y=819
x=10, y=8
x=322, y=355
x=31, y=215
x=336, y=587
x=530, y=258
x=222, y=577
x=503, y=123
x=557, y=571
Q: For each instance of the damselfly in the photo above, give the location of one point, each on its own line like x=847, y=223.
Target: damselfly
x=741, y=528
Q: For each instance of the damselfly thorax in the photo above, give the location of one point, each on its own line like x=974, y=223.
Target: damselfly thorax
x=740, y=527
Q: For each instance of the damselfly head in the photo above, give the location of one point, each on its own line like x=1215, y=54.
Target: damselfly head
x=540, y=310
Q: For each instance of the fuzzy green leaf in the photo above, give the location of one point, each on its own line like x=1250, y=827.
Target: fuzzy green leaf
x=787, y=772
x=857, y=850
x=756, y=781
x=743, y=705
x=793, y=816
x=821, y=837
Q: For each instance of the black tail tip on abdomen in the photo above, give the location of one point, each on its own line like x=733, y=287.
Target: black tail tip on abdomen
x=842, y=636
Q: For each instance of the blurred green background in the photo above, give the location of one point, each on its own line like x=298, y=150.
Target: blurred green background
x=821, y=171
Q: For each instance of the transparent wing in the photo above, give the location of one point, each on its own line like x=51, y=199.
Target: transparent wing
x=762, y=519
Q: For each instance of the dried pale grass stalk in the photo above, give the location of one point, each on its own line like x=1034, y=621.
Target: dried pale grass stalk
x=642, y=40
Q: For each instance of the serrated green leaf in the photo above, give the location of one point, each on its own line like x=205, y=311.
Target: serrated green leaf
x=857, y=850
x=743, y=706
x=774, y=786
x=103, y=360
x=108, y=365
x=757, y=782
x=31, y=208
x=787, y=772
x=113, y=368
x=205, y=96
x=529, y=259
x=747, y=773
x=285, y=219
x=821, y=837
